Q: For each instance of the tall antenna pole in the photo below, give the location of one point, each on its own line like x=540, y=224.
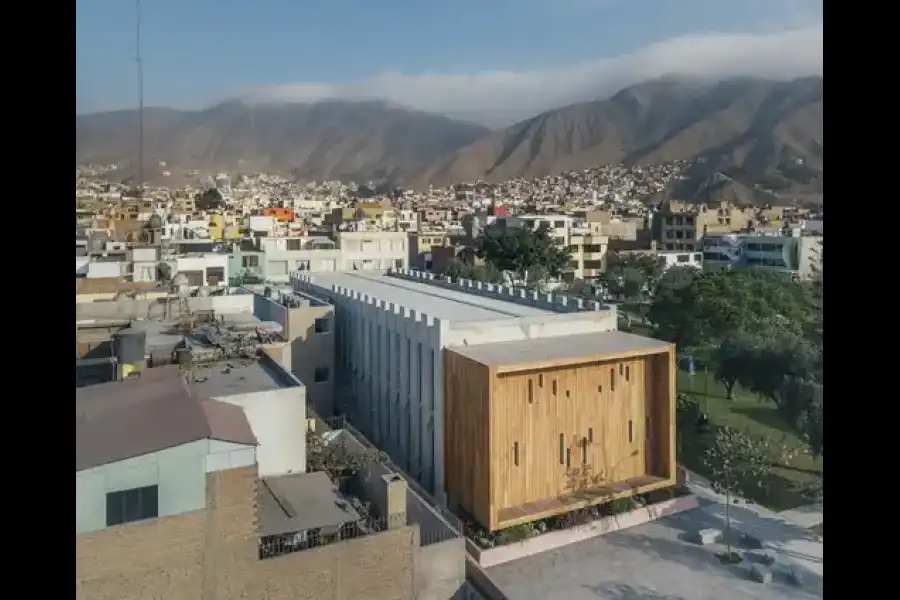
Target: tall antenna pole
x=140, y=82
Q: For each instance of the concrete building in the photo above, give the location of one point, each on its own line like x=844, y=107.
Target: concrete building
x=588, y=251
x=680, y=226
x=680, y=259
x=795, y=255
x=177, y=499
x=391, y=331
x=308, y=332
x=351, y=251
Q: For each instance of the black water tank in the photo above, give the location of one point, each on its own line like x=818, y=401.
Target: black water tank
x=130, y=346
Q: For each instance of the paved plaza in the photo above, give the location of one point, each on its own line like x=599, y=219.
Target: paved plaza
x=655, y=562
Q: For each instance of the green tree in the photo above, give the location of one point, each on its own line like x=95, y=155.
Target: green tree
x=772, y=369
x=336, y=458
x=695, y=309
x=521, y=250
x=486, y=272
x=736, y=462
x=632, y=277
x=729, y=360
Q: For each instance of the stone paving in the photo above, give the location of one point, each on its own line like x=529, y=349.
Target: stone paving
x=655, y=562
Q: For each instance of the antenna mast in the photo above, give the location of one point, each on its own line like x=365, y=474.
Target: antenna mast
x=140, y=82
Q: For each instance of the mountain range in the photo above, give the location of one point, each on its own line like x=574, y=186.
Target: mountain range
x=755, y=134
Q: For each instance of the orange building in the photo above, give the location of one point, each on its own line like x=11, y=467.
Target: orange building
x=280, y=214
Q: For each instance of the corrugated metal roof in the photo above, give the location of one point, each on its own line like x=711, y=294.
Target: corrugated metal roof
x=123, y=419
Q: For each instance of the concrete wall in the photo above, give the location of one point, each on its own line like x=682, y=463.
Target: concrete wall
x=278, y=420
x=310, y=350
x=213, y=553
x=389, y=356
x=180, y=473
x=144, y=309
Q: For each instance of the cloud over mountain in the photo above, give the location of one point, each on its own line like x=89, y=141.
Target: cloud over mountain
x=498, y=98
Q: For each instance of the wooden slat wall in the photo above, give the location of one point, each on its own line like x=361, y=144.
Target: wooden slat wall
x=467, y=389
x=660, y=407
x=584, y=400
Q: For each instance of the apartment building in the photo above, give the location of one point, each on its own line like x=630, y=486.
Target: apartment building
x=181, y=496
x=307, y=328
x=588, y=253
x=350, y=251
x=795, y=255
x=680, y=226
x=391, y=331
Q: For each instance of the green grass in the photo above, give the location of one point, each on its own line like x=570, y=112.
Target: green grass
x=783, y=489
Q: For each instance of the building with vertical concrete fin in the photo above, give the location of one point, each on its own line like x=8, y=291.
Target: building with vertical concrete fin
x=391, y=331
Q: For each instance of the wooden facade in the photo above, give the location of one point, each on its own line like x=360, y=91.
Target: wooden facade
x=528, y=440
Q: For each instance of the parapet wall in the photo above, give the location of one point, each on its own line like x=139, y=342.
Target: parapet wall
x=415, y=324
x=561, y=303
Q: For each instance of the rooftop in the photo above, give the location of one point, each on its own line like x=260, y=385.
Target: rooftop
x=438, y=302
x=124, y=419
x=594, y=346
x=294, y=503
x=238, y=376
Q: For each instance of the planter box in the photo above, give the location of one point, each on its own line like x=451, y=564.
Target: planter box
x=556, y=539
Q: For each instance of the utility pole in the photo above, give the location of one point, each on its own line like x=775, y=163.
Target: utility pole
x=140, y=82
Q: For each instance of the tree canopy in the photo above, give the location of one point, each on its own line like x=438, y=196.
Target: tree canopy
x=522, y=250
x=632, y=277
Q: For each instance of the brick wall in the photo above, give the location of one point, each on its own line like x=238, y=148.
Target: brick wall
x=212, y=555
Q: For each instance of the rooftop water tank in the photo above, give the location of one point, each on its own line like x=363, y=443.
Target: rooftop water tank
x=130, y=346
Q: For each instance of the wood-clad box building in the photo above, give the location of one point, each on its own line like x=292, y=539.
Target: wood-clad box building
x=540, y=427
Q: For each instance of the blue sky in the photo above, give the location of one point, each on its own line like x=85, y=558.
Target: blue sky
x=200, y=51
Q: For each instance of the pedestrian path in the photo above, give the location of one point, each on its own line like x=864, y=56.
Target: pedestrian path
x=784, y=535
x=805, y=516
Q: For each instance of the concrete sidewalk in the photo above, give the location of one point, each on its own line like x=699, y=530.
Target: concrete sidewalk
x=784, y=535
x=805, y=516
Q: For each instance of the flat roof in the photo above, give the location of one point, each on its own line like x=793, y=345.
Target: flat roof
x=432, y=300
x=594, y=346
x=294, y=503
x=237, y=376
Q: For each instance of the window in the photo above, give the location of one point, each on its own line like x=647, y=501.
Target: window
x=584, y=445
x=215, y=275
x=516, y=453
x=320, y=375
x=323, y=325
x=630, y=431
x=540, y=380
x=132, y=505
x=627, y=373
x=530, y=391
x=562, y=448
x=554, y=387
x=249, y=262
x=590, y=435
x=683, y=258
x=294, y=244
x=612, y=380
x=568, y=457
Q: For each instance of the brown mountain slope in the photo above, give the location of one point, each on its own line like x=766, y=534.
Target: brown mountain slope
x=750, y=129
x=327, y=140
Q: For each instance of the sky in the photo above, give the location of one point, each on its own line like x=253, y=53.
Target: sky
x=484, y=60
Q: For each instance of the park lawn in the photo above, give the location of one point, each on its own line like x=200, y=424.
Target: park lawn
x=758, y=417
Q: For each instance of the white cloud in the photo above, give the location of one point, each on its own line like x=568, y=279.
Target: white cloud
x=502, y=97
